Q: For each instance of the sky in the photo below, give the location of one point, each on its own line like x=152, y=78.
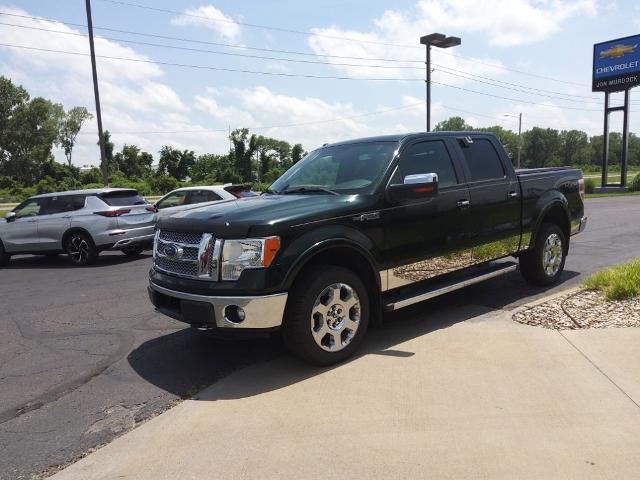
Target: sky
x=182, y=73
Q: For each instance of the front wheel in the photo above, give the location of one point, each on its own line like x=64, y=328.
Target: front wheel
x=81, y=249
x=544, y=264
x=327, y=315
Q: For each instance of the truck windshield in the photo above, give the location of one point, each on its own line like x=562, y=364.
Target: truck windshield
x=344, y=169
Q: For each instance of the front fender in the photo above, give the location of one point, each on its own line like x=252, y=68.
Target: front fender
x=319, y=240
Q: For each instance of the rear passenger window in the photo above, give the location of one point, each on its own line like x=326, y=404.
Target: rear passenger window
x=123, y=199
x=427, y=157
x=483, y=160
x=62, y=204
x=201, y=196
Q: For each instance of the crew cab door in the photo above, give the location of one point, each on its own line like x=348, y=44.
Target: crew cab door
x=423, y=236
x=21, y=234
x=494, y=198
x=55, y=218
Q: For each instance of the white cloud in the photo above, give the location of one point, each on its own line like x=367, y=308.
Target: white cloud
x=210, y=17
x=504, y=22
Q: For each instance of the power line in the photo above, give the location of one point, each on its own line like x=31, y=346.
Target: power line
x=292, y=52
x=215, y=52
x=208, y=67
x=510, y=69
x=444, y=69
x=254, y=25
x=204, y=42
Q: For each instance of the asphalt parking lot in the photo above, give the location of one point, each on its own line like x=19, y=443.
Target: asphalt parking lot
x=83, y=357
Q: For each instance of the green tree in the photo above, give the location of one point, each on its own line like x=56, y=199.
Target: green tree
x=573, y=147
x=244, y=147
x=69, y=127
x=541, y=147
x=28, y=132
x=209, y=167
x=133, y=163
x=176, y=163
x=453, y=124
x=297, y=152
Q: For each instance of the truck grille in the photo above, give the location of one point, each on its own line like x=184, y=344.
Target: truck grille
x=186, y=254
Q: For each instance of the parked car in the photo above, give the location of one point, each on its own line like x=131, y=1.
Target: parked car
x=359, y=228
x=81, y=223
x=188, y=197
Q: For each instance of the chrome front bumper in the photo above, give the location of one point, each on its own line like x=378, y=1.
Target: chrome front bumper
x=578, y=226
x=206, y=312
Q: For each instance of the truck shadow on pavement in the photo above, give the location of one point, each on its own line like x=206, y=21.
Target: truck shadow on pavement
x=185, y=362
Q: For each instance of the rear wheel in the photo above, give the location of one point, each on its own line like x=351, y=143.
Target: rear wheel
x=544, y=264
x=4, y=256
x=133, y=251
x=81, y=249
x=327, y=315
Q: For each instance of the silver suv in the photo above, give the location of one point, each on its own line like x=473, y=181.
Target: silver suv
x=81, y=223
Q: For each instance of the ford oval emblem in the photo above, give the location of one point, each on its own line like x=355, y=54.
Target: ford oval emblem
x=173, y=251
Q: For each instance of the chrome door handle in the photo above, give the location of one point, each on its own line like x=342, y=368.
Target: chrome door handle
x=512, y=194
x=463, y=203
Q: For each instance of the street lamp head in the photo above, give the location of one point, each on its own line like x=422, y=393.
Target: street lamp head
x=449, y=42
x=432, y=39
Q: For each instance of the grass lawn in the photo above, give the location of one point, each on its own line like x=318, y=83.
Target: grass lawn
x=3, y=213
x=600, y=195
x=617, y=283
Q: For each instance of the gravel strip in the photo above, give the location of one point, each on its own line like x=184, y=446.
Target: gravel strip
x=582, y=309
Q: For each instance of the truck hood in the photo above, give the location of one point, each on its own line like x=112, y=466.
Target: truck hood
x=263, y=215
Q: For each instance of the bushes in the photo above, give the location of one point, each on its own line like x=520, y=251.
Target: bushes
x=634, y=185
x=589, y=185
x=617, y=283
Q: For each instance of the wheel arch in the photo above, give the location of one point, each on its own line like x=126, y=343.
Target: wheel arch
x=343, y=253
x=557, y=212
x=73, y=230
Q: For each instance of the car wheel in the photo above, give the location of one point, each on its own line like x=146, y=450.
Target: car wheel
x=327, y=315
x=81, y=249
x=544, y=264
x=133, y=251
x=4, y=256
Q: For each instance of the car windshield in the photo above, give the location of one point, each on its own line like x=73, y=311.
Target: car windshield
x=343, y=169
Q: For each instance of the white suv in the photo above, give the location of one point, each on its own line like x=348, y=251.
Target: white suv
x=81, y=223
x=191, y=197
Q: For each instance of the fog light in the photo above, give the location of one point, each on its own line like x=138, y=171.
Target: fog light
x=234, y=314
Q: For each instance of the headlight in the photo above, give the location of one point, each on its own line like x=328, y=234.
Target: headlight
x=238, y=255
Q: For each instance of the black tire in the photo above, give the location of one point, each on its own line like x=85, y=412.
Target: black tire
x=541, y=267
x=4, y=256
x=80, y=249
x=133, y=251
x=346, y=318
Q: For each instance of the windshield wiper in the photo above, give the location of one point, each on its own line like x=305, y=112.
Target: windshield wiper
x=307, y=189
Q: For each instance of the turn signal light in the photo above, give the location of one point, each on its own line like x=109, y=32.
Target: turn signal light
x=271, y=247
x=581, y=187
x=113, y=213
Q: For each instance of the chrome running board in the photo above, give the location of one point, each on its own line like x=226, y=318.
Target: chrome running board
x=399, y=300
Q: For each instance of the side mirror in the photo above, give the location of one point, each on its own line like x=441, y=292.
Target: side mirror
x=414, y=187
x=10, y=217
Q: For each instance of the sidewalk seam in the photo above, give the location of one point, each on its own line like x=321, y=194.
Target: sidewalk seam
x=599, y=369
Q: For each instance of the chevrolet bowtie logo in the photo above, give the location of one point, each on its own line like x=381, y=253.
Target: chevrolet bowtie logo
x=618, y=51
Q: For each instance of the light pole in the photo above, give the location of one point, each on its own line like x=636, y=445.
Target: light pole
x=441, y=41
x=519, y=117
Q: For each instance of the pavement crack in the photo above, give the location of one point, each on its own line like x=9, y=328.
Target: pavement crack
x=599, y=369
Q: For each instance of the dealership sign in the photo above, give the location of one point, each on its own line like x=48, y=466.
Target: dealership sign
x=616, y=64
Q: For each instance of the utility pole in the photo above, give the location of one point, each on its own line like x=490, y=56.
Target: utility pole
x=103, y=154
x=441, y=41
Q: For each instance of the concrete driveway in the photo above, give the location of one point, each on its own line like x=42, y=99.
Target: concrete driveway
x=467, y=394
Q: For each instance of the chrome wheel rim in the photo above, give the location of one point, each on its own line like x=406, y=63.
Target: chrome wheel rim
x=78, y=249
x=335, y=317
x=552, y=254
